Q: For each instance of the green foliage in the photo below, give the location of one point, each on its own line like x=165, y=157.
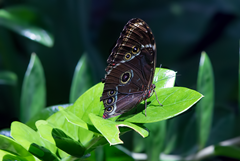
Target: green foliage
x=76, y=130
x=33, y=95
x=12, y=148
x=79, y=85
x=181, y=33
x=22, y=19
x=204, y=109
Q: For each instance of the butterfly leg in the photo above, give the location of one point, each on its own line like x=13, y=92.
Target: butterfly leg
x=157, y=98
x=145, y=107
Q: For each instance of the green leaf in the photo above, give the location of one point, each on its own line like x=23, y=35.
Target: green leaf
x=73, y=118
x=7, y=77
x=22, y=20
x=33, y=95
x=204, y=109
x=44, y=114
x=85, y=131
x=45, y=130
x=175, y=100
x=91, y=98
x=88, y=103
x=60, y=122
x=227, y=151
x=110, y=129
x=11, y=146
x=67, y=144
x=60, y=138
x=164, y=78
x=82, y=78
x=33, y=142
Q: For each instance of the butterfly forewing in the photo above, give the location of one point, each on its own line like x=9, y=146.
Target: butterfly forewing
x=130, y=69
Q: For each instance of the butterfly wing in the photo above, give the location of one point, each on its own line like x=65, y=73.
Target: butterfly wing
x=130, y=69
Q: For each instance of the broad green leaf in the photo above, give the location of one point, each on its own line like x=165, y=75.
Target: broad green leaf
x=44, y=114
x=33, y=97
x=82, y=78
x=32, y=141
x=110, y=129
x=204, y=109
x=89, y=102
x=164, y=78
x=84, y=134
x=60, y=138
x=67, y=144
x=45, y=130
x=7, y=77
x=22, y=20
x=73, y=118
x=227, y=151
x=59, y=121
x=175, y=100
x=11, y=146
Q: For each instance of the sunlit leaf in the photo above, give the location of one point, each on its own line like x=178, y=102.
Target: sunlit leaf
x=175, y=100
x=60, y=138
x=89, y=102
x=73, y=118
x=11, y=146
x=110, y=129
x=32, y=141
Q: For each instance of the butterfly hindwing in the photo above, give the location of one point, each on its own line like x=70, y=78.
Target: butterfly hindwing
x=130, y=69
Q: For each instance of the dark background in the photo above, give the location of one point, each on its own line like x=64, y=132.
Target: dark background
x=182, y=29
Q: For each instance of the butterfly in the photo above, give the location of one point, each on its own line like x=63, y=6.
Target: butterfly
x=130, y=70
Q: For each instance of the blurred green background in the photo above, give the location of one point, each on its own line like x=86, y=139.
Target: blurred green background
x=182, y=29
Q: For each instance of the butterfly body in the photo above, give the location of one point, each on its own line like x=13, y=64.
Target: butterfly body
x=130, y=69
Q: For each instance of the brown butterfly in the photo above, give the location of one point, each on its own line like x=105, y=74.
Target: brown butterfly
x=130, y=70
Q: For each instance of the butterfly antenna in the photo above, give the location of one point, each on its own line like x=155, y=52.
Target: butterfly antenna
x=159, y=71
x=157, y=98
